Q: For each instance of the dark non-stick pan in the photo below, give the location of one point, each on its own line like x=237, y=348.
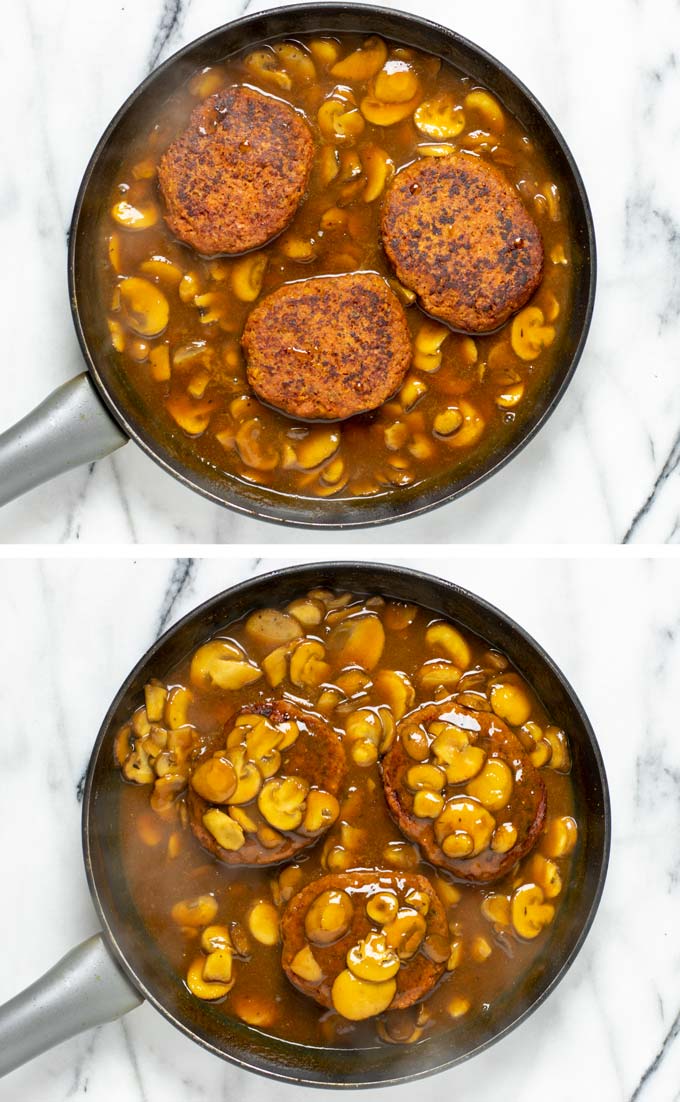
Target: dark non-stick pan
x=98, y=411
x=110, y=974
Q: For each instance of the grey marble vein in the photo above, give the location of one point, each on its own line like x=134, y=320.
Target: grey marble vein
x=668, y=469
x=169, y=27
x=649, y=1072
x=180, y=581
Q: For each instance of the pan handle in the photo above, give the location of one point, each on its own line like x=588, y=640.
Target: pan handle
x=70, y=427
x=86, y=988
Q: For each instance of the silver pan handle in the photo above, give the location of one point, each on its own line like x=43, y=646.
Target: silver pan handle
x=86, y=988
x=69, y=428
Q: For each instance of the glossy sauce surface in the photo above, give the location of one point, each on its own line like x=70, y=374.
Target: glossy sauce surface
x=167, y=869
x=176, y=318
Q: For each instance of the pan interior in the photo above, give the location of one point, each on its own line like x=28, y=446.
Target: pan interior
x=174, y=451
x=246, y=1046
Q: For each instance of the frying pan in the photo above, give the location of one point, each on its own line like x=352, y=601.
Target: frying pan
x=110, y=974
x=96, y=412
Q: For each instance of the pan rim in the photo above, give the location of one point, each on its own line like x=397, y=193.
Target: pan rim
x=384, y=509
x=303, y=573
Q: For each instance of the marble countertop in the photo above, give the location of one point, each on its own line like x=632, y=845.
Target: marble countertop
x=603, y=470
x=611, y=1030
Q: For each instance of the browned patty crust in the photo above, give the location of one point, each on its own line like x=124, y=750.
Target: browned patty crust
x=415, y=978
x=317, y=755
x=459, y=236
x=235, y=177
x=526, y=808
x=328, y=347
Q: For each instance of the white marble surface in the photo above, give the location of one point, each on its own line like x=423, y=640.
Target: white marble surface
x=611, y=1030
x=605, y=468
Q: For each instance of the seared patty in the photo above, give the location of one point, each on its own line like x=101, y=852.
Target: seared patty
x=328, y=347
x=526, y=809
x=235, y=177
x=459, y=236
x=317, y=755
x=415, y=978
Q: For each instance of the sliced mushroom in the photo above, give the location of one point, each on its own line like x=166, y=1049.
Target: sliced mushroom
x=227, y=833
x=261, y=740
x=493, y=786
x=296, y=60
x=378, y=169
x=308, y=668
x=253, y=442
x=264, y=65
x=373, y=959
x=317, y=447
x=359, y=999
x=196, y=912
x=223, y=665
x=363, y=63
x=416, y=743
x=282, y=801
x=263, y=923
x=215, y=937
x=464, y=827
x=200, y=987
x=154, y=700
x=529, y=334
x=396, y=690
x=440, y=117
x=544, y=872
x=218, y=966
x=426, y=776
x=380, y=113
x=215, y=780
x=325, y=51
x=560, y=837
x=396, y=82
x=458, y=1006
x=405, y=932
x=144, y=307
x=248, y=776
x=420, y=901
x=140, y=215
x=275, y=664
x=560, y=758
x=496, y=909
x=247, y=276
x=489, y=108
x=358, y=640
x=382, y=907
x=339, y=121
x=452, y=750
x=444, y=639
x=329, y=917
x=447, y=421
x=308, y=611
x=504, y=838
x=427, y=805
x=530, y=912
x=305, y=965
x=322, y=809
x=510, y=702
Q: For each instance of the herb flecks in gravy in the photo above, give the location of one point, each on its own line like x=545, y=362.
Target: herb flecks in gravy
x=176, y=317
x=288, y=778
